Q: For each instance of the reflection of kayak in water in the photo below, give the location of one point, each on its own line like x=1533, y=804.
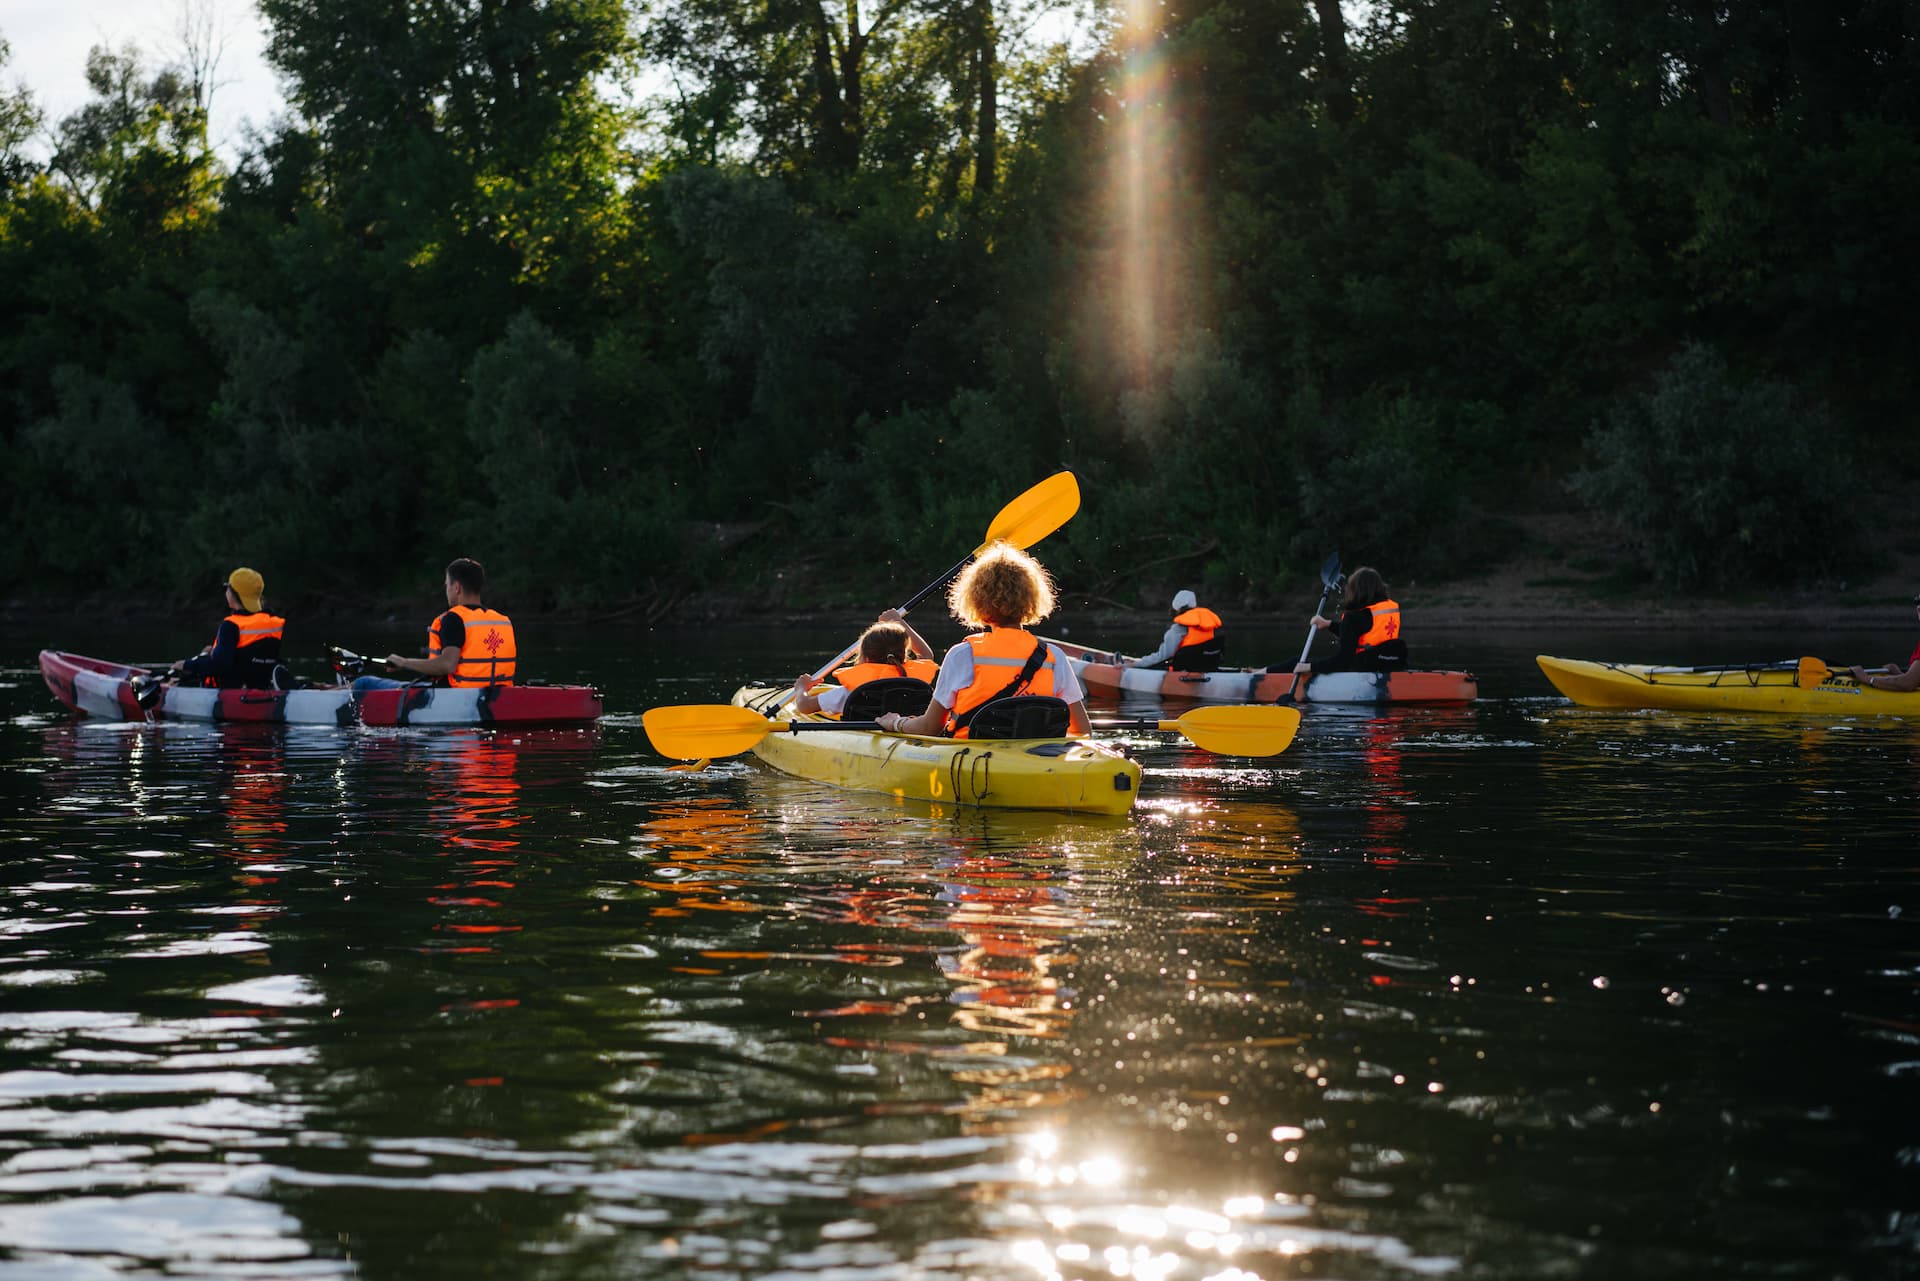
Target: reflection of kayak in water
x=1075, y=774
x=1758, y=687
x=1104, y=673
x=115, y=691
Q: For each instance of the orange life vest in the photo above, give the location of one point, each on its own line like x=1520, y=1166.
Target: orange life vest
x=257, y=629
x=999, y=656
x=1201, y=623
x=1386, y=624
x=855, y=675
x=487, y=654
x=256, y=652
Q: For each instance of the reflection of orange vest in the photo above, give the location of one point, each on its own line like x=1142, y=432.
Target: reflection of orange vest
x=487, y=655
x=999, y=656
x=1201, y=623
x=1386, y=624
x=858, y=674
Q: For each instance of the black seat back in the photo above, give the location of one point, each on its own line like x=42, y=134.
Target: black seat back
x=903, y=694
x=1023, y=716
x=1387, y=656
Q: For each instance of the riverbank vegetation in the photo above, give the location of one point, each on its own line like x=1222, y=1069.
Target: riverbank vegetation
x=636, y=298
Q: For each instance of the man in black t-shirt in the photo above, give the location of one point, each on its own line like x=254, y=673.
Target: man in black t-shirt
x=447, y=638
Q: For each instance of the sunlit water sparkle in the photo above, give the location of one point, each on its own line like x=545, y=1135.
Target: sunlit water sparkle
x=1513, y=990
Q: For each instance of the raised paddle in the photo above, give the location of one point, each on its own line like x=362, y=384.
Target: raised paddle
x=701, y=731
x=1023, y=522
x=1330, y=581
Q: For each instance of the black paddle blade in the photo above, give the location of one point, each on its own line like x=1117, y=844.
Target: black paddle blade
x=147, y=689
x=1330, y=577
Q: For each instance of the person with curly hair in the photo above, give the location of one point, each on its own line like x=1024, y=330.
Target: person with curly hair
x=1001, y=594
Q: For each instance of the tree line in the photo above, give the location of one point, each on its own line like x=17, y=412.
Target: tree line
x=633, y=299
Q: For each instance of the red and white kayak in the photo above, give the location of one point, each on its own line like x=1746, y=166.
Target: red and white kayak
x=95, y=687
x=1104, y=672
x=107, y=690
x=494, y=705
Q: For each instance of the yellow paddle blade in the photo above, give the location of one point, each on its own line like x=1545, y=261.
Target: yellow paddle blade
x=1035, y=514
x=1811, y=672
x=1249, y=729
x=699, y=730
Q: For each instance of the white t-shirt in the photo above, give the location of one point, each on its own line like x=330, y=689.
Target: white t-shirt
x=956, y=673
x=832, y=697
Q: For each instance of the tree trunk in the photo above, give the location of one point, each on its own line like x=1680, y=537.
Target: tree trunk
x=1709, y=62
x=830, y=110
x=1333, y=60
x=986, y=148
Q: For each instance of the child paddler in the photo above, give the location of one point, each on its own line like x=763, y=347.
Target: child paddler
x=1003, y=592
x=888, y=649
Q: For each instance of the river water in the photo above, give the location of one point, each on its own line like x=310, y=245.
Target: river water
x=1511, y=990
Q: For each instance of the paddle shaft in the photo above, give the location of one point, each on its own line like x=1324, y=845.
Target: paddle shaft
x=799, y=727
x=1023, y=522
x=1325, y=593
x=854, y=648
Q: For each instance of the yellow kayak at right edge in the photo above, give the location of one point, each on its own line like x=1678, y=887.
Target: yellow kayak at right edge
x=1760, y=687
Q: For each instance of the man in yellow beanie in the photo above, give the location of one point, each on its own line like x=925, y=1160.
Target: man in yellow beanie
x=246, y=646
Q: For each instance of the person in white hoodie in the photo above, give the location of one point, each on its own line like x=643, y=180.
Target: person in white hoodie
x=1193, y=642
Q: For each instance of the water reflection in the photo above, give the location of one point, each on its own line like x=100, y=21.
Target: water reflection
x=1494, y=991
x=144, y=1034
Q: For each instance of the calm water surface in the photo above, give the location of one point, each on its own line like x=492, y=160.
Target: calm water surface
x=1506, y=991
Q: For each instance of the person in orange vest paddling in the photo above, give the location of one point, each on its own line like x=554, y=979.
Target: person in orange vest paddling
x=1368, y=632
x=1002, y=593
x=246, y=646
x=888, y=649
x=1193, y=642
x=468, y=646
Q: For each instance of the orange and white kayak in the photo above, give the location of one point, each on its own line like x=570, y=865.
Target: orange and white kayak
x=1103, y=672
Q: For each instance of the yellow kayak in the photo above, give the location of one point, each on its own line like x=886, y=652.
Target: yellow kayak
x=1761, y=687
x=1073, y=774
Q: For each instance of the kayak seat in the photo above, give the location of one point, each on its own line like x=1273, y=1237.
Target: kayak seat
x=903, y=694
x=1387, y=656
x=1199, y=658
x=1023, y=716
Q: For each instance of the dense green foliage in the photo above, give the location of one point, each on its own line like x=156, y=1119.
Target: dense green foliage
x=1722, y=481
x=848, y=278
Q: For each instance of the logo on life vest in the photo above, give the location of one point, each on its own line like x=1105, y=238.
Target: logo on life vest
x=493, y=642
x=1393, y=627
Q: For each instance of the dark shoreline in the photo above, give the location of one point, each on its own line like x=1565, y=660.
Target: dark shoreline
x=1454, y=606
